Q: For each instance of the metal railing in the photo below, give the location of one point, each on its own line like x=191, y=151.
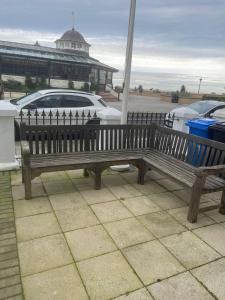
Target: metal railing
x=43, y=117
x=142, y=118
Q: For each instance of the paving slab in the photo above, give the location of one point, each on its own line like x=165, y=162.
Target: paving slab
x=128, y=232
x=97, y=196
x=59, y=187
x=61, y=283
x=43, y=254
x=54, y=176
x=215, y=215
x=170, y=184
x=141, y=294
x=108, y=276
x=36, y=226
x=213, y=235
x=167, y=200
x=19, y=193
x=189, y=249
x=140, y=205
x=24, y=208
x=161, y=224
x=125, y=191
x=76, y=218
x=75, y=173
x=68, y=200
x=183, y=286
x=180, y=214
x=150, y=188
x=111, y=211
x=212, y=276
x=89, y=242
x=152, y=261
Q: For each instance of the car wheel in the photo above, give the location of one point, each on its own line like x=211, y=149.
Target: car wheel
x=17, y=131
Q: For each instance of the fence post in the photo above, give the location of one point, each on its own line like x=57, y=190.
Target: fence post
x=7, y=144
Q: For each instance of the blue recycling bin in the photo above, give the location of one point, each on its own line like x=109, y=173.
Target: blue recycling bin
x=199, y=127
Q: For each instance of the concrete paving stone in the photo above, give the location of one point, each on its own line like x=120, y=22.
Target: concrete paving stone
x=24, y=208
x=113, y=180
x=7, y=236
x=161, y=224
x=8, y=255
x=37, y=191
x=97, y=196
x=7, y=292
x=215, y=215
x=43, y=254
x=154, y=175
x=4, y=225
x=84, y=183
x=4, y=211
x=213, y=235
x=52, y=176
x=212, y=276
x=183, y=194
x=59, y=187
x=110, y=211
x=6, y=206
x=130, y=176
x=37, y=226
x=167, y=200
x=152, y=261
x=76, y=218
x=183, y=286
x=125, y=191
x=128, y=232
x=17, y=297
x=189, y=249
x=215, y=196
x=170, y=184
x=89, y=242
x=180, y=214
x=9, y=272
x=6, y=220
x=9, y=263
x=75, y=173
x=140, y=205
x=12, y=280
x=141, y=294
x=61, y=283
x=151, y=187
x=108, y=276
x=68, y=200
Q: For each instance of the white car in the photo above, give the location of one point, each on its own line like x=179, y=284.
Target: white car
x=61, y=106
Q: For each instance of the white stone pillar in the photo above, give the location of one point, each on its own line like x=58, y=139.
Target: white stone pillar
x=7, y=139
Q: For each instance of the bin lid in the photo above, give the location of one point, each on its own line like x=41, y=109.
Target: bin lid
x=201, y=123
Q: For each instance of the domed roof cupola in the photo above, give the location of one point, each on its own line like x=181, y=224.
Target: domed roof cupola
x=73, y=40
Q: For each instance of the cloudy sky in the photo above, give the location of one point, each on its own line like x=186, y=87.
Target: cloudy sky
x=176, y=41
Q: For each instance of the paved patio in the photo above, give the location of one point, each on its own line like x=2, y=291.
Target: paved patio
x=125, y=241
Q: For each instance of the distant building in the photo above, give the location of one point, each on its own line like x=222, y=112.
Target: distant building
x=70, y=60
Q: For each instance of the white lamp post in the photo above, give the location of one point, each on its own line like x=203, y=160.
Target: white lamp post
x=129, y=53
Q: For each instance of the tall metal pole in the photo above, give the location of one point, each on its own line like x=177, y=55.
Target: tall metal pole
x=129, y=53
x=199, y=87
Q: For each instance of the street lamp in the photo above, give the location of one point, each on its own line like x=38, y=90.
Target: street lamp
x=199, y=87
x=128, y=62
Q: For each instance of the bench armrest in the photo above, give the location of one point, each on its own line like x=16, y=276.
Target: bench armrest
x=25, y=152
x=206, y=171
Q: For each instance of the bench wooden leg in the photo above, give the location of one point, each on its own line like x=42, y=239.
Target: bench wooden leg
x=98, y=178
x=196, y=193
x=142, y=169
x=27, y=183
x=222, y=204
x=86, y=173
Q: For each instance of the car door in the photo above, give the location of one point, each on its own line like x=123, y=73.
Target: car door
x=39, y=110
x=77, y=105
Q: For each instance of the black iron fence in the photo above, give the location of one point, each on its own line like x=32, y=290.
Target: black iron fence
x=141, y=118
x=56, y=117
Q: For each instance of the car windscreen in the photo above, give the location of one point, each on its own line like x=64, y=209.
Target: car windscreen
x=202, y=107
x=101, y=101
x=26, y=99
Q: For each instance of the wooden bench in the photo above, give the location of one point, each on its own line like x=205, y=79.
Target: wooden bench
x=195, y=162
